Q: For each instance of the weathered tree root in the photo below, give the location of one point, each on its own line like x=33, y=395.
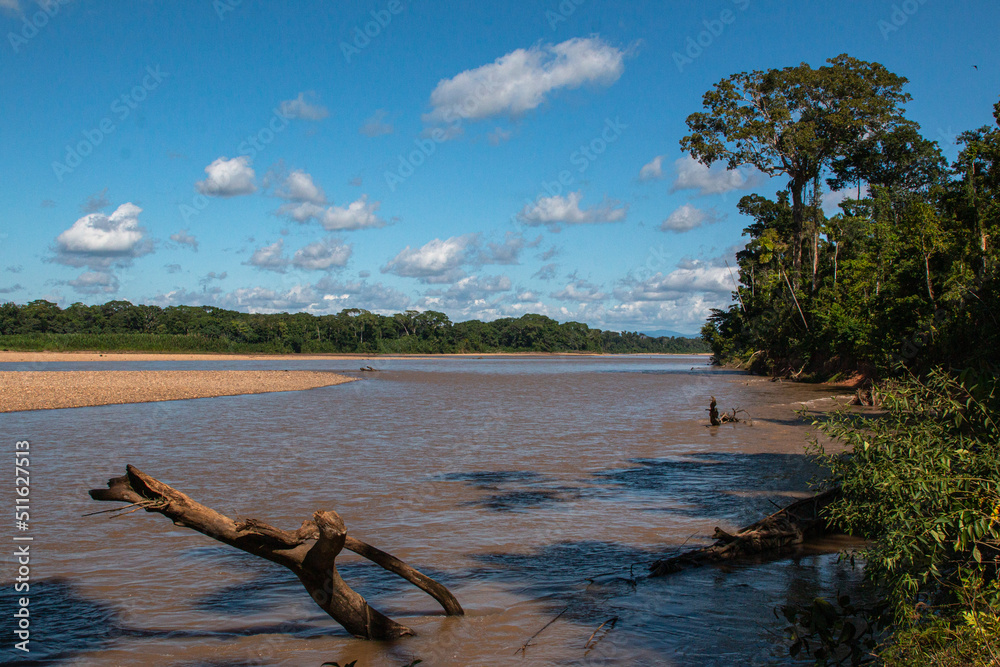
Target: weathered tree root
x=310, y=552
x=778, y=532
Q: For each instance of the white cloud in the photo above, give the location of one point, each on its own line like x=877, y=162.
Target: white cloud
x=695, y=277
x=693, y=175
x=95, y=282
x=298, y=186
x=13, y=6
x=469, y=292
x=300, y=107
x=522, y=80
x=508, y=252
x=360, y=294
x=322, y=255
x=687, y=217
x=183, y=238
x=556, y=210
x=270, y=258
x=436, y=261
x=375, y=125
x=228, y=178
x=359, y=214
x=99, y=240
x=580, y=291
x=652, y=171
x=832, y=200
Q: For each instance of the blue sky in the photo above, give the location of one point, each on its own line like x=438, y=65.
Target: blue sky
x=482, y=159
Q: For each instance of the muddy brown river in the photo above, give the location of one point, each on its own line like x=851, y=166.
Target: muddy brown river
x=535, y=488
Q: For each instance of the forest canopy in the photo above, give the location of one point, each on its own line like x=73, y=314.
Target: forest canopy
x=120, y=325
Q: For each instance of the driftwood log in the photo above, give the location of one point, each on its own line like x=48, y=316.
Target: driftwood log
x=310, y=551
x=779, y=532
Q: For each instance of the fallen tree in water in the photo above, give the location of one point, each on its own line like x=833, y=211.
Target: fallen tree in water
x=779, y=532
x=310, y=551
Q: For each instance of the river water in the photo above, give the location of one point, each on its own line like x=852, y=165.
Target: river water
x=535, y=488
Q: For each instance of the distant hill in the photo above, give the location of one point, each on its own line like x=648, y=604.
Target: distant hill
x=668, y=332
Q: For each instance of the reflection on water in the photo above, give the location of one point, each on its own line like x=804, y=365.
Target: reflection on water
x=532, y=487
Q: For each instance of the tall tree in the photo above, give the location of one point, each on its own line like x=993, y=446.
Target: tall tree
x=800, y=122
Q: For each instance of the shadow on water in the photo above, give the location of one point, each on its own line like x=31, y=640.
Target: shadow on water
x=715, y=615
x=713, y=484
x=516, y=490
x=66, y=624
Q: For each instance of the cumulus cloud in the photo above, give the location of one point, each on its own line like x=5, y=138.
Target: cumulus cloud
x=99, y=241
x=375, y=125
x=556, y=210
x=298, y=186
x=270, y=257
x=329, y=253
x=228, y=178
x=507, y=252
x=375, y=297
x=695, y=276
x=469, y=292
x=95, y=282
x=183, y=238
x=693, y=175
x=523, y=79
x=437, y=261
x=687, y=217
x=653, y=171
x=245, y=299
x=359, y=214
x=16, y=287
x=304, y=108
x=579, y=291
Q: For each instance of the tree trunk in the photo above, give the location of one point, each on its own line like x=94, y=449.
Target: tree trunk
x=798, y=216
x=310, y=552
x=927, y=272
x=779, y=532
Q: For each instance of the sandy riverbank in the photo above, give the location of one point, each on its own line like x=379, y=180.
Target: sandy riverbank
x=46, y=390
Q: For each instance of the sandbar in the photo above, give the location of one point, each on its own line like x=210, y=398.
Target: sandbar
x=47, y=390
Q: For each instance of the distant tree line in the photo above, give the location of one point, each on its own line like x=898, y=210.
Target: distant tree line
x=122, y=325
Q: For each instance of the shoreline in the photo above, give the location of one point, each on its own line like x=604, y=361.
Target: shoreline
x=23, y=391
x=11, y=356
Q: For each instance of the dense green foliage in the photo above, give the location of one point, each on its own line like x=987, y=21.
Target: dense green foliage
x=922, y=483
x=907, y=271
x=119, y=325
x=901, y=283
